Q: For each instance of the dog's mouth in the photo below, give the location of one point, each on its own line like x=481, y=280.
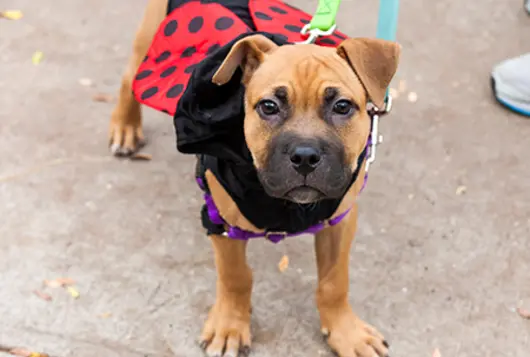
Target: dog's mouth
x=304, y=195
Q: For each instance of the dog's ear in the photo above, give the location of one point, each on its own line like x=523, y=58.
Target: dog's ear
x=248, y=53
x=375, y=63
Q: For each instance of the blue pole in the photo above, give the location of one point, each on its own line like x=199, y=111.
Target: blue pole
x=388, y=19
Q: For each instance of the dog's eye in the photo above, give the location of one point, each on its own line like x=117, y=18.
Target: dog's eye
x=344, y=107
x=268, y=107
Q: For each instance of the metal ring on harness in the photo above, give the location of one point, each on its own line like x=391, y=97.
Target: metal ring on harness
x=375, y=138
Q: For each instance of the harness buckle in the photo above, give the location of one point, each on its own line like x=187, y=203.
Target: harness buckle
x=275, y=237
x=315, y=33
x=375, y=138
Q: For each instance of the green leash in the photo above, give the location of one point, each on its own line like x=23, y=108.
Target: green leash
x=323, y=22
x=324, y=18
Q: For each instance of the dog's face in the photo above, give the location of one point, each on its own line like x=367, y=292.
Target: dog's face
x=306, y=121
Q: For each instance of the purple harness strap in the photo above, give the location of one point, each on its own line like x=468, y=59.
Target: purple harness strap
x=275, y=237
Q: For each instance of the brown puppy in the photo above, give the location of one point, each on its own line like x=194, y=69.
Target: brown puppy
x=327, y=117
x=305, y=125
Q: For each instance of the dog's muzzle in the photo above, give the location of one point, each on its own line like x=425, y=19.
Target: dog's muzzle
x=305, y=170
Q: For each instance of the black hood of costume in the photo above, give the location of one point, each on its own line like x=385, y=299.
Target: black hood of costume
x=209, y=118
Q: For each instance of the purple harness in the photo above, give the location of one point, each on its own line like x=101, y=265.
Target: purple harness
x=275, y=237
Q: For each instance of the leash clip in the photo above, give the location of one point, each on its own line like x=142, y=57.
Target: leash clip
x=315, y=33
x=375, y=138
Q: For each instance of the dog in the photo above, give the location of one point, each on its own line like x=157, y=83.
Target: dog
x=280, y=131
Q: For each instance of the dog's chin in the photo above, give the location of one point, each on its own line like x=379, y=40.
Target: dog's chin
x=304, y=195
x=300, y=190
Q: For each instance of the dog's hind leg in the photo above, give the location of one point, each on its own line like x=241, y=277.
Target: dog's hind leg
x=346, y=334
x=228, y=325
x=125, y=132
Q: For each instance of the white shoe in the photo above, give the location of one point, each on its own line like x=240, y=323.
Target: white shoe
x=510, y=81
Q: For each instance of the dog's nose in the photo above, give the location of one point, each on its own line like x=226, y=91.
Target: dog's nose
x=305, y=159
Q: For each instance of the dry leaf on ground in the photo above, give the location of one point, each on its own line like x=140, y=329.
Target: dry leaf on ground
x=141, y=157
x=42, y=295
x=437, y=353
x=52, y=284
x=22, y=352
x=283, y=264
x=37, y=57
x=58, y=283
x=65, y=281
x=11, y=14
x=525, y=314
x=73, y=291
x=103, y=98
x=460, y=190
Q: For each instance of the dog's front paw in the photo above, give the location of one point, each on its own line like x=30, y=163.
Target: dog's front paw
x=349, y=336
x=226, y=333
x=125, y=135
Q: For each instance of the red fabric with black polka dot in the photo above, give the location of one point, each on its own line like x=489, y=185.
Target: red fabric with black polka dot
x=194, y=30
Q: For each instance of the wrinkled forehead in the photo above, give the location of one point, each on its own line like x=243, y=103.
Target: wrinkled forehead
x=305, y=71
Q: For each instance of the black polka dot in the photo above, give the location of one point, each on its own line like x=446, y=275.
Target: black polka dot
x=281, y=37
x=262, y=16
x=171, y=27
x=327, y=41
x=188, y=52
x=165, y=111
x=278, y=10
x=293, y=28
x=163, y=56
x=213, y=48
x=305, y=21
x=149, y=93
x=144, y=74
x=146, y=58
x=195, y=24
x=224, y=23
x=168, y=72
x=174, y=91
x=339, y=36
x=190, y=69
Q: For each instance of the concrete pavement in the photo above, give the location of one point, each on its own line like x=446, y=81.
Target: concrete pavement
x=430, y=268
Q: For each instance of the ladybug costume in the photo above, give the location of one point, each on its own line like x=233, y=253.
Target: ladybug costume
x=195, y=29
x=176, y=78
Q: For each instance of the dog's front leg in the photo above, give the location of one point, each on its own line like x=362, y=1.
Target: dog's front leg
x=228, y=325
x=346, y=334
